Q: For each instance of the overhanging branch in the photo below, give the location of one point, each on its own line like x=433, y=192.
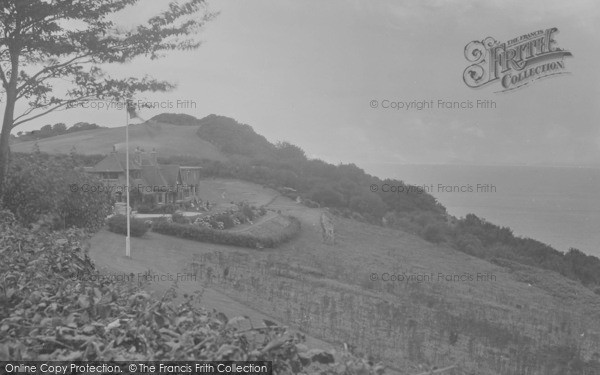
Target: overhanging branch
x=67, y=102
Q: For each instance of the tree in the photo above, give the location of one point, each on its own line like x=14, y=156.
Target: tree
x=44, y=41
x=287, y=151
x=59, y=128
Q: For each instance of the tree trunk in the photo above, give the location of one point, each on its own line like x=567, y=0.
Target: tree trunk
x=5, y=135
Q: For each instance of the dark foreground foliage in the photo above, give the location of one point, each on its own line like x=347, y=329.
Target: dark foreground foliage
x=40, y=185
x=54, y=305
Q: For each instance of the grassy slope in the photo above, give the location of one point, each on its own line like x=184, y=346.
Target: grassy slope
x=169, y=140
x=325, y=291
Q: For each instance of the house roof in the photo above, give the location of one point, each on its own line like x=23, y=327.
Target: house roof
x=152, y=175
x=170, y=173
x=115, y=162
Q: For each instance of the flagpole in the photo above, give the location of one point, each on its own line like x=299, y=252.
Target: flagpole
x=127, y=239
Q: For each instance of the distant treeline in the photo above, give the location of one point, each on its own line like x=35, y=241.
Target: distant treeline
x=47, y=131
x=346, y=189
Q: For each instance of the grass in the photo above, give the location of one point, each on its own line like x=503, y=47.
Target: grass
x=493, y=327
x=169, y=140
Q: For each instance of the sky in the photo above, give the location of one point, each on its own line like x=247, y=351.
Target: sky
x=311, y=72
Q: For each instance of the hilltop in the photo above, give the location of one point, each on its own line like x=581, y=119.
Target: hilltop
x=173, y=135
x=168, y=139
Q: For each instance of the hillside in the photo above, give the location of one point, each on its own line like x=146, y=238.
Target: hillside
x=167, y=139
x=520, y=317
x=229, y=149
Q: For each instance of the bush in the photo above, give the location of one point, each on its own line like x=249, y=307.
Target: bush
x=42, y=317
x=434, y=233
x=201, y=234
x=118, y=224
x=40, y=184
x=226, y=219
x=180, y=219
x=310, y=203
x=247, y=211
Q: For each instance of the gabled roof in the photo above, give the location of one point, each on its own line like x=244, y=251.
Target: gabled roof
x=171, y=174
x=156, y=176
x=151, y=174
x=115, y=163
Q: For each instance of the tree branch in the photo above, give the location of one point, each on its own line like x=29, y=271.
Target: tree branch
x=67, y=102
x=50, y=68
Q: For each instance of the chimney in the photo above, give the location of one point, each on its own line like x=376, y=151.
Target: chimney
x=138, y=156
x=153, y=155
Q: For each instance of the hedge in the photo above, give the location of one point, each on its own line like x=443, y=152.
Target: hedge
x=201, y=234
x=118, y=224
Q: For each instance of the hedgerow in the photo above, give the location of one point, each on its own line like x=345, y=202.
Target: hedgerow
x=118, y=224
x=203, y=234
x=50, y=309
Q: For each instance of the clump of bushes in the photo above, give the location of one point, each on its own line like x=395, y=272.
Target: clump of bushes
x=310, y=203
x=178, y=218
x=39, y=185
x=44, y=318
x=224, y=218
x=434, y=233
x=204, y=234
x=248, y=212
x=118, y=224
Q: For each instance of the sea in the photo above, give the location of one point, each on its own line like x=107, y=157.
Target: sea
x=559, y=206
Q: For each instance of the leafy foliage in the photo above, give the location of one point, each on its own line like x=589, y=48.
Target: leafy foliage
x=40, y=184
x=55, y=306
x=39, y=49
x=176, y=119
x=234, y=138
x=118, y=224
x=244, y=239
x=478, y=237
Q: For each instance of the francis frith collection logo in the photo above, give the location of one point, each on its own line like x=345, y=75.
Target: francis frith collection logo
x=515, y=63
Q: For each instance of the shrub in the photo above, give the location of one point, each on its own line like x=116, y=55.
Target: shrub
x=434, y=233
x=118, y=224
x=44, y=317
x=226, y=219
x=40, y=184
x=202, y=234
x=247, y=211
x=310, y=203
x=180, y=219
